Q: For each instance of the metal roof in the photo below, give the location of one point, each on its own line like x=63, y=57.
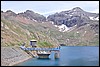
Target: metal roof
x=33, y=40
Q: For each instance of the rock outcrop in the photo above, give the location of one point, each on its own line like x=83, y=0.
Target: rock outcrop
x=76, y=16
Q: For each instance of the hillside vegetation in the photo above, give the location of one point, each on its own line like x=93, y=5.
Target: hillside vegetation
x=15, y=33
x=23, y=27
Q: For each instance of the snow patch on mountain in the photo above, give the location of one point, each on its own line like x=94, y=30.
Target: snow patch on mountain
x=62, y=28
x=51, y=22
x=70, y=15
x=97, y=18
x=92, y=18
x=55, y=25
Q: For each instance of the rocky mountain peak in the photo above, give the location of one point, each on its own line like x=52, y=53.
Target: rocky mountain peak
x=77, y=9
x=33, y=16
x=11, y=13
x=29, y=11
x=73, y=17
x=1, y=11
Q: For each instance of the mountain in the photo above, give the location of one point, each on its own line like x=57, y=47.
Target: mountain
x=33, y=16
x=78, y=26
x=73, y=17
x=28, y=14
x=74, y=27
x=18, y=28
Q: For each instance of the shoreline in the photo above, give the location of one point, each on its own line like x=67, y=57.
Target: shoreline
x=15, y=63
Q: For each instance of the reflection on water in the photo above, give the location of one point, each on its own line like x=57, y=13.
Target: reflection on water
x=69, y=56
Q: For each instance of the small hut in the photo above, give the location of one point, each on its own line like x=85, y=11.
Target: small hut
x=33, y=43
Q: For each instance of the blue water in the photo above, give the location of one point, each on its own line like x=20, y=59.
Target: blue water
x=69, y=56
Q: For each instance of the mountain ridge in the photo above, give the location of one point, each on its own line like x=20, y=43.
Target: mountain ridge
x=72, y=17
x=67, y=27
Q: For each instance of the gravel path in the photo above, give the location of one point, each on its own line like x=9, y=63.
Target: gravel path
x=12, y=55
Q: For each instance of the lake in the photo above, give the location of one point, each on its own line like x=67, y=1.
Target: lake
x=69, y=56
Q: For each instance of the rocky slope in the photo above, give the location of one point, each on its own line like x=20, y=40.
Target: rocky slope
x=78, y=26
x=73, y=17
x=12, y=55
x=16, y=29
x=33, y=16
x=72, y=27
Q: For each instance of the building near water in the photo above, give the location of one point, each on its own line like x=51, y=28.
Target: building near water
x=33, y=43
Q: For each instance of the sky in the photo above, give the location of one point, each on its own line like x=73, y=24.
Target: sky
x=49, y=7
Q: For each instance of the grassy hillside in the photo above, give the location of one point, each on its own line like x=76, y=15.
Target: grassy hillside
x=14, y=33
x=16, y=30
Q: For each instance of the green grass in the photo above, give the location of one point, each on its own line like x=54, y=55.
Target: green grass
x=44, y=44
x=47, y=38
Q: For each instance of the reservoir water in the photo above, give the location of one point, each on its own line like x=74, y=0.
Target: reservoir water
x=69, y=56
